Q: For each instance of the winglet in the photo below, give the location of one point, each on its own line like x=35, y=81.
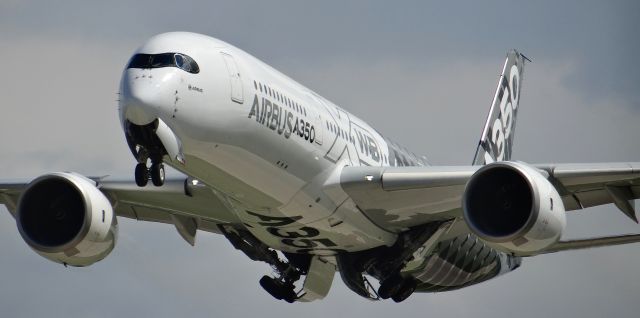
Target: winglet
x=623, y=199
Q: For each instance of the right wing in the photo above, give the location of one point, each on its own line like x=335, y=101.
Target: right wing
x=185, y=203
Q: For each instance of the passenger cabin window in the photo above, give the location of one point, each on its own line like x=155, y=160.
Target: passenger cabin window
x=178, y=60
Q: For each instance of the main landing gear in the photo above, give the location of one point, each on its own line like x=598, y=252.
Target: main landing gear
x=397, y=288
x=287, y=272
x=386, y=264
x=155, y=173
x=279, y=289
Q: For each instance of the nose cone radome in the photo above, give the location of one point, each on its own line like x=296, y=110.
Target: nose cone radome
x=147, y=94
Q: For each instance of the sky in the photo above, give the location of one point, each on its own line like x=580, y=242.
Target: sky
x=423, y=73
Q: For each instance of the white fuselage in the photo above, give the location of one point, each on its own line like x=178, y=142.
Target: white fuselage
x=271, y=148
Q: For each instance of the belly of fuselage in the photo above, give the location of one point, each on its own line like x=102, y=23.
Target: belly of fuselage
x=288, y=212
x=460, y=262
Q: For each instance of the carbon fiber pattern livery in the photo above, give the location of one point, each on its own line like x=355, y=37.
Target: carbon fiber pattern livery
x=460, y=262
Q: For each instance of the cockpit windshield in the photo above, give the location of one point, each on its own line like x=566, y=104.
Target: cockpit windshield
x=181, y=61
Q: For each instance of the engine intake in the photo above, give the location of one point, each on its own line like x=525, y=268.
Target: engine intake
x=65, y=218
x=514, y=207
x=52, y=213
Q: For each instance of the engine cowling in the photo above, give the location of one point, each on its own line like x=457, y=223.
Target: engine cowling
x=65, y=218
x=513, y=207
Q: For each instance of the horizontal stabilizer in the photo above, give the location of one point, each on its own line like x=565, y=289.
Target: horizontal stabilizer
x=593, y=242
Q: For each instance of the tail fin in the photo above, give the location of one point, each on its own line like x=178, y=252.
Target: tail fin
x=496, y=141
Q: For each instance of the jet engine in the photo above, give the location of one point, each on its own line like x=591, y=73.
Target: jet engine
x=65, y=218
x=513, y=207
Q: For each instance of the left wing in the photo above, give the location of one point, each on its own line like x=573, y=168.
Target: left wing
x=586, y=185
x=397, y=198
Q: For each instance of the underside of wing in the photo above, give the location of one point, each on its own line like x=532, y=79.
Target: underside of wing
x=398, y=198
x=586, y=185
x=185, y=203
x=10, y=191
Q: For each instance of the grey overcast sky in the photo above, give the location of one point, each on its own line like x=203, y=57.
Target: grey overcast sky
x=422, y=73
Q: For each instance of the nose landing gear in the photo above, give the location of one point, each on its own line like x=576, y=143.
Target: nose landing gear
x=156, y=173
x=146, y=146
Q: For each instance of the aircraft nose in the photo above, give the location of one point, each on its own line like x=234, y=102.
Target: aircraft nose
x=147, y=94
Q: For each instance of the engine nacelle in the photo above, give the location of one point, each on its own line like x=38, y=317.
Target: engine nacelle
x=513, y=207
x=65, y=218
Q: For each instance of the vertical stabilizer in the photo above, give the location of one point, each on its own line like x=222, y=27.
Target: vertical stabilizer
x=496, y=142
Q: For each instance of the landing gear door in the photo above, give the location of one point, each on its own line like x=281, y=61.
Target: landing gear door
x=234, y=77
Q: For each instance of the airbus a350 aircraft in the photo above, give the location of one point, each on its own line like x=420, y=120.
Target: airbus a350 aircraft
x=296, y=181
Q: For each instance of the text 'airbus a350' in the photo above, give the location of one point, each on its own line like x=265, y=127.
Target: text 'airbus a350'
x=296, y=181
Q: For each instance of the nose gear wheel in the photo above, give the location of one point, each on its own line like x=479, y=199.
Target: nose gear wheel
x=142, y=174
x=157, y=174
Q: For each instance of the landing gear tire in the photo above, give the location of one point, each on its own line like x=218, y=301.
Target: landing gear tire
x=390, y=287
x=142, y=174
x=408, y=287
x=271, y=287
x=277, y=289
x=157, y=174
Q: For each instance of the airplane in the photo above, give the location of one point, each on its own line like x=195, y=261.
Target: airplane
x=295, y=181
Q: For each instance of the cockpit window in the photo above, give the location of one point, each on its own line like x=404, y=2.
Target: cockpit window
x=162, y=60
x=186, y=63
x=178, y=60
